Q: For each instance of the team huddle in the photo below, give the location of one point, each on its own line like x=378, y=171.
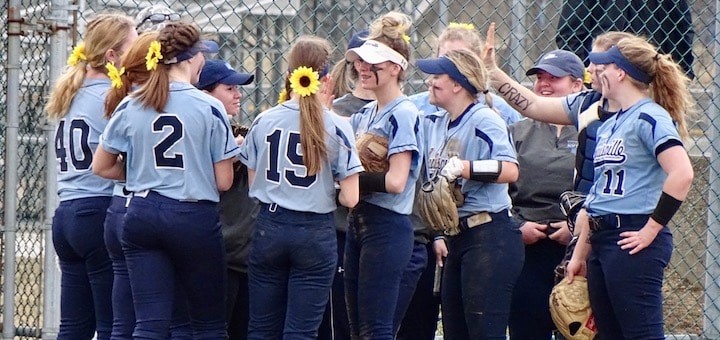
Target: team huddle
x=343, y=210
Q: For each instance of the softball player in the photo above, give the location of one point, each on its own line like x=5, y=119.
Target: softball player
x=421, y=321
x=295, y=152
x=237, y=210
x=457, y=36
x=468, y=141
x=586, y=110
x=76, y=103
x=349, y=99
x=380, y=233
x=135, y=74
x=642, y=175
x=179, y=150
x=546, y=156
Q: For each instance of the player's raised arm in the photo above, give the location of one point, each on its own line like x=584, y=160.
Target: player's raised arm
x=529, y=104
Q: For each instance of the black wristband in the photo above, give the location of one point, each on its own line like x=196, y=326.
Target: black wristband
x=666, y=207
x=487, y=171
x=372, y=182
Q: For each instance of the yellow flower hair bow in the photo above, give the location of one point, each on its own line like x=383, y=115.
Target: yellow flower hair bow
x=115, y=75
x=153, y=56
x=304, y=81
x=587, y=79
x=77, y=55
x=466, y=26
x=282, y=97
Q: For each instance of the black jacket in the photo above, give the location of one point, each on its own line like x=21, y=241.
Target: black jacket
x=667, y=23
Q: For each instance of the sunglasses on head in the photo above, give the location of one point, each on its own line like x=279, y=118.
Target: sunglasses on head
x=157, y=18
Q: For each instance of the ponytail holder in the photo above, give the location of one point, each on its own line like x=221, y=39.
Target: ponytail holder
x=77, y=55
x=658, y=56
x=153, y=56
x=486, y=91
x=469, y=27
x=304, y=81
x=115, y=75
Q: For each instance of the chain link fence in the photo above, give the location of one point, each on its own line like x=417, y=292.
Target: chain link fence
x=255, y=36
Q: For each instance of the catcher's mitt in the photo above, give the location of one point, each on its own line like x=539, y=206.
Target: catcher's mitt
x=570, y=203
x=570, y=309
x=373, y=150
x=436, y=206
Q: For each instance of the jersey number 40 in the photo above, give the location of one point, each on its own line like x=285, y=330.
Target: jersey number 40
x=78, y=135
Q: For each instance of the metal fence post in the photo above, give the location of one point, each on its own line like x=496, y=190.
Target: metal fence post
x=61, y=11
x=712, y=264
x=11, y=166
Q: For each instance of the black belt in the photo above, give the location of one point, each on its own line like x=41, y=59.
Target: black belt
x=616, y=221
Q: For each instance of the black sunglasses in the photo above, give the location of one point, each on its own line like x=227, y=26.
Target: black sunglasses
x=157, y=18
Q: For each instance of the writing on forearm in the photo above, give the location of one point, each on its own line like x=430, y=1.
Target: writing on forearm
x=513, y=96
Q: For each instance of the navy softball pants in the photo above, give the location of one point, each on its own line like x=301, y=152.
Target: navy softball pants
x=480, y=272
x=292, y=264
x=175, y=248
x=86, y=283
x=378, y=250
x=626, y=290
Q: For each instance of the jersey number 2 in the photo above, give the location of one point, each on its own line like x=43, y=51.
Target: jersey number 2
x=292, y=143
x=78, y=128
x=162, y=158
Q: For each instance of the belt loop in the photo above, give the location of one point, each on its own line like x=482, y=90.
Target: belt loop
x=618, y=221
x=272, y=207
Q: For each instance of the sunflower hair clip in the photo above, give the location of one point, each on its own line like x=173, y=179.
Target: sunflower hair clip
x=304, y=81
x=587, y=77
x=153, y=56
x=282, y=97
x=469, y=27
x=406, y=38
x=115, y=75
x=77, y=55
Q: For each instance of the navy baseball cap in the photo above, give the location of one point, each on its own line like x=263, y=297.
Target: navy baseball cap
x=614, y=56
x=206, y=46
x=443, y=65
x=559, y=63
x=217, y=71
x=358, y=39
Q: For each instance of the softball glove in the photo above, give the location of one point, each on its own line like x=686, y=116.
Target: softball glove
x=372, y=150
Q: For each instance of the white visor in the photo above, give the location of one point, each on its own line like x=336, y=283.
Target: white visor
x=374, y=52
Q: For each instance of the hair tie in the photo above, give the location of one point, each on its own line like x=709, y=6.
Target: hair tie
x=115, y=75
x=658, y=56
x=153, y=56
x=304, y=81
x=77, y=55
x=466, y=26
x=486, y=91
